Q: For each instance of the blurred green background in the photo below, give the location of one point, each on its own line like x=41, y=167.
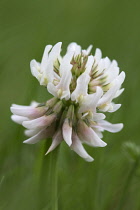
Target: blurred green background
x=25, y=28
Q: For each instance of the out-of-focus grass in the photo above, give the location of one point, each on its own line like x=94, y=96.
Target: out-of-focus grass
x=25, y=28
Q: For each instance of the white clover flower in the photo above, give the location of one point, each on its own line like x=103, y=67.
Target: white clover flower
x=83, y=85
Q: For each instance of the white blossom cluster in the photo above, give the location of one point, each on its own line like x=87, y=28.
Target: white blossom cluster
x=83, y=85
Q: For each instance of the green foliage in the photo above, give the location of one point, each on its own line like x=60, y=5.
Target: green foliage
x=26, y=27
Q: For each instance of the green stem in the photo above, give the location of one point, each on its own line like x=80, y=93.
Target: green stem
x=48, y=179
x=127, y=185
x=43, y=176
x=53, y=178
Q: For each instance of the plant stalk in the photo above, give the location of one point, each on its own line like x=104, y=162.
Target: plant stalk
x=54, y=179
x=48, y=198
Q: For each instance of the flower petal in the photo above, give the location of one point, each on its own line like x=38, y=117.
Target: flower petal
x=35, y=69
x=99, y=133
x=113, y=128
x=52, y=89
x=55, y=52
x=111, y=74
x=98, y=55
x=75, y=48
x=40, y=122
x=34, y=139
x=66, y=75
x=48, y=73
x=81, y=87
x=32, y=104
x=30, y=133
x=67, y=132
x=28, y=111
x=88, y=135
x=62, y=90
x=79, y=149
x=119, y=92
x=98, y=116
x=99, y=69
x=57, y=138
x=18, y=119
x=43, y=134
x=45, y=57
x=114, y=107
x=90, y=101
x=89, y=64
x=65, y=63
x=88, y=50
x=108, y=96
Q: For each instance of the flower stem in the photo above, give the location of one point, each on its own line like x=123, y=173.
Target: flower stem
x=44, y=176
x=53, y=179
x=48, y=179
x=127, y=185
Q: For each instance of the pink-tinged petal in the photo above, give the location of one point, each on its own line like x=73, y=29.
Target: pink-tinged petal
x=34, y=139
x=28, y=111
x=40, y=122
x=19, y=106
x=57, y=138
x=32, y=104
x=30, y=133
x=88, y=135
x=67, y=132
x=19, y=119
x=43, y=134
x=79, y=149
x=113, y=128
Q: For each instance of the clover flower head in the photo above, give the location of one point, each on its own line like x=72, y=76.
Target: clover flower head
x=83, y=86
